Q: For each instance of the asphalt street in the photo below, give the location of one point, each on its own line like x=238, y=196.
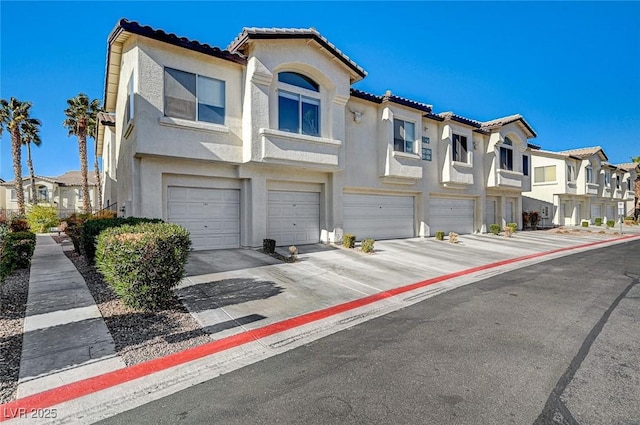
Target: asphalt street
x=553, y=343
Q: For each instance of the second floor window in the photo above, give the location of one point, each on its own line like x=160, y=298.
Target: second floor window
x=607, y=179
x=506, y=158
x=525, y=165
x=460, y=152
x=571, y=173
x=589, y=175
x=13, y=195
x=404, y=136
x=128, y=111
x=193, y=97
x=617, y=182
x=544, y=174
x=298, y=104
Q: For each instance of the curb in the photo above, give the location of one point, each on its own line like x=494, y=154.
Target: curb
x=43, y=400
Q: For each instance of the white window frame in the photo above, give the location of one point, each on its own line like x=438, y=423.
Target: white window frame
x=607, y=178
x=13, y=195
x=406, y=141
x=589, y=174
x=526, y=158
x=508, y=149
x=571, y=173
x=197, y=106
x=545, y=181
x=129, y=112
x=454, y=143
x=290, y=91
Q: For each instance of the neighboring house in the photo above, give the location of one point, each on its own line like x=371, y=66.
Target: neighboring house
x=630, y=186
x=575, y=185
x=64, y=192
x=268, y=139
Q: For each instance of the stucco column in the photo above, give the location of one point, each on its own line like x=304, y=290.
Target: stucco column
x=518, y=212
x=255, y=197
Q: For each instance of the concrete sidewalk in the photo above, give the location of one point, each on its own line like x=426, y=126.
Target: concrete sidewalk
x=65, y=338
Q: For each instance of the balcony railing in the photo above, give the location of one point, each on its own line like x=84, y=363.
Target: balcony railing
x=507, y=179
x=282, y=147
x=591, y=189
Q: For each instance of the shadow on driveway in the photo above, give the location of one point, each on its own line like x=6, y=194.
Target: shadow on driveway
x=224, y=260
x=222, y=293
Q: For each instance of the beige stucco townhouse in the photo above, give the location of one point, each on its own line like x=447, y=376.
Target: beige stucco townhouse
x=268, y=139
x=64, y=192
x=579, y=184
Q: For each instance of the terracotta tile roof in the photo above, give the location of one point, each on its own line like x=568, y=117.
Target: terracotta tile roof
x=170, y=38
x=628, y=166
x=499, y=122
x=107, y=119
x=388, y=97
x=584, y=152
x=70, y=178
x=458, y=118
x=291, y=33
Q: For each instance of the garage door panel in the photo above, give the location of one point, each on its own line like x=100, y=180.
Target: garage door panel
x=451, y=215
x=212, y=216
x=293, y=217
x=379, y=216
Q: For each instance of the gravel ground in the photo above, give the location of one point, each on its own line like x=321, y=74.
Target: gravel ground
x=139, y=335
x=13, y=302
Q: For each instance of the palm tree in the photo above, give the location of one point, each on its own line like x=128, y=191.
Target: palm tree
x=81, y=121
x=30, y=134
x=13, y=114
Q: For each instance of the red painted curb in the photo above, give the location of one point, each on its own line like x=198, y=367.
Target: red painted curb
x=97, y=383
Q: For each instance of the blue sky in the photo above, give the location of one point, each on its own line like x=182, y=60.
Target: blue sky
x=571, y=69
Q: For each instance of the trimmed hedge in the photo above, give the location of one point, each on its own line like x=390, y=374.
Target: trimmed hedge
x=495, y=229
x=440, y=235
x=74, y=229
x=367, y=245
x=514, y=226
x=17, y=249
x=611, y=223
x=585, y=224
x=349, y=240
x=598, y=221
x=143, y=262
x=91, y=228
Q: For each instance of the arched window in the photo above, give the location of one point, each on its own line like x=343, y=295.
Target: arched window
x=298, y=80
x=506, y=155
x=298, y=104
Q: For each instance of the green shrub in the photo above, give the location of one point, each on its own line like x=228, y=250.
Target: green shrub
x=367, y=245
x=17, y=250
x=92, y=227
x=143, y=262
x=598, y=221
x=439, y=235
x=495, y=229
x=514, y=226
x=42, y=217
x=585, y=224
x=349, y=240
x=611, y=223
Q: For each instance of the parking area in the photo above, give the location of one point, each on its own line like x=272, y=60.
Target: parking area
x=229, y=291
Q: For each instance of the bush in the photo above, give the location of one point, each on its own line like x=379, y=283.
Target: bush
x=17, y=250
x=367, y=245
x=92, y=227
x=585, y=223
x=439, y=235
x=18, y=223
x=349, y=240
x=143, y=262
x=42, y=217
x=495, y=229
x=514, y=227
x=611, y=223
x=74, y=229
x=598, y=221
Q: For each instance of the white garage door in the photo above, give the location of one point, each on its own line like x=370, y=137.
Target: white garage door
x=490, y=214
x=451, y=215
x=212, y=216
x=611, y=212
x=378, y=216
x=294, y=217
x=596, y=212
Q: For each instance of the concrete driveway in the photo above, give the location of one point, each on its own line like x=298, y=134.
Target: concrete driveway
x=230, y=291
